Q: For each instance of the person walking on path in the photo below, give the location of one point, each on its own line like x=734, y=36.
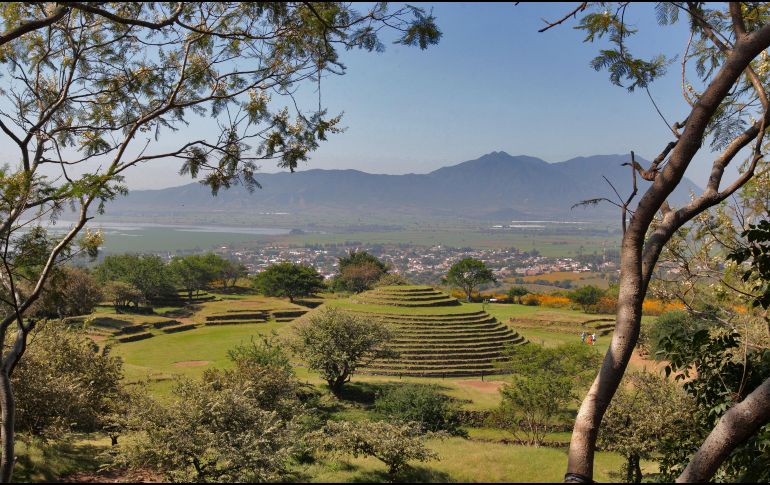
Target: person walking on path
x=590, y=340
x=593, y=339
x=583, y=337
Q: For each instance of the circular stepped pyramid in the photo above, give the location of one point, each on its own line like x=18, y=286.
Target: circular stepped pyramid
x=434, y=335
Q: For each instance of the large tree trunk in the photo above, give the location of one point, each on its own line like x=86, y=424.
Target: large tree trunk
x=640, y=251
x=583, y=443
x=734, y=428
x=7, y=418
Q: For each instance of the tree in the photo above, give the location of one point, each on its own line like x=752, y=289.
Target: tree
x=393, y=444
x=649, y=417
x=231, y=272
x=359, y=271
x=149, y=274
x=727, y=45
x=289, y=279
x=544, y=382
x=192, y=273
x=91, y=89
x=586, y=296
x=335, y=343
x=70, y=291
x=517, y=292
x=122, y=294
x=468, y=273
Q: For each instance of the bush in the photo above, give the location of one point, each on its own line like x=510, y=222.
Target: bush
x=391, y=279
x=606, y=304
x=586, y=297
x=531, y=300
x=238, y=425
x=554, y=301
x=64, y=383
x=393, y=444
x=211, y=431
x=421, y=404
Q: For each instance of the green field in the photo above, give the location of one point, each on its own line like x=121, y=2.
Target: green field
x=173, y=239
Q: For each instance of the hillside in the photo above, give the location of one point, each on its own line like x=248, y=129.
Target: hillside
x=494, y=187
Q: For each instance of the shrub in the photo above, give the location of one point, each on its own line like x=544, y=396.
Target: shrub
x=421, y=404
x=393, y=444
x=586, y=297
x=606, y=304
x=554, y=301
x=211, y=431
x=531, y=300
x=654, y=307
x=64, y=383
x=391, y=279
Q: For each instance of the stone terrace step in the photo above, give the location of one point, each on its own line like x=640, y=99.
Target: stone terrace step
x=135, y=337
x=180, y=328
x=233, y=322
x=237, y=316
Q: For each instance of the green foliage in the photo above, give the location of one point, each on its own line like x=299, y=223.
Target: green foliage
x=423, y=405
x=335, y=343
x=545, y=382
x=213, y=430
x=717, y=370
x=148, y=274
x=468, y=273
x=265, y=351
x=393, y=444
x=240, y=424
x=586, y=296
x=359, y=271
x=64, y=383
x=392, y=279
x=757, y=255
x=517, y=292
x=70, y=291
x=649, y=417
x=290, y=280
x=195, y=272
x=122, y=294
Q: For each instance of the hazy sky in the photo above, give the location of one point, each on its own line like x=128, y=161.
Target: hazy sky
x=493, y=83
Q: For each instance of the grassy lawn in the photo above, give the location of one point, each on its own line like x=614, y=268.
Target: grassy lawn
x=157, y=357
x=463, y=460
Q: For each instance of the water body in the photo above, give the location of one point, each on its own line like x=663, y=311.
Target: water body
x=148, y=237
x=140, y=226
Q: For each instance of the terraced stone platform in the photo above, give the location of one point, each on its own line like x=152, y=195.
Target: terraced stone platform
x=435, y=335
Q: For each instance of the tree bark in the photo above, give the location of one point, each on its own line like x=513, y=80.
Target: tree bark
x=7, y=418
x=639, y=253
x=734, y=428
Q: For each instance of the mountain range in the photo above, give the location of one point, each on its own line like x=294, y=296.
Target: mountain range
x=496, y=186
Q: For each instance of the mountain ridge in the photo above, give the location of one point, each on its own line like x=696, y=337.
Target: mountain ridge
x=483, y=188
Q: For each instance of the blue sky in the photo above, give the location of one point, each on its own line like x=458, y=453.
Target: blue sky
x=493, y=83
